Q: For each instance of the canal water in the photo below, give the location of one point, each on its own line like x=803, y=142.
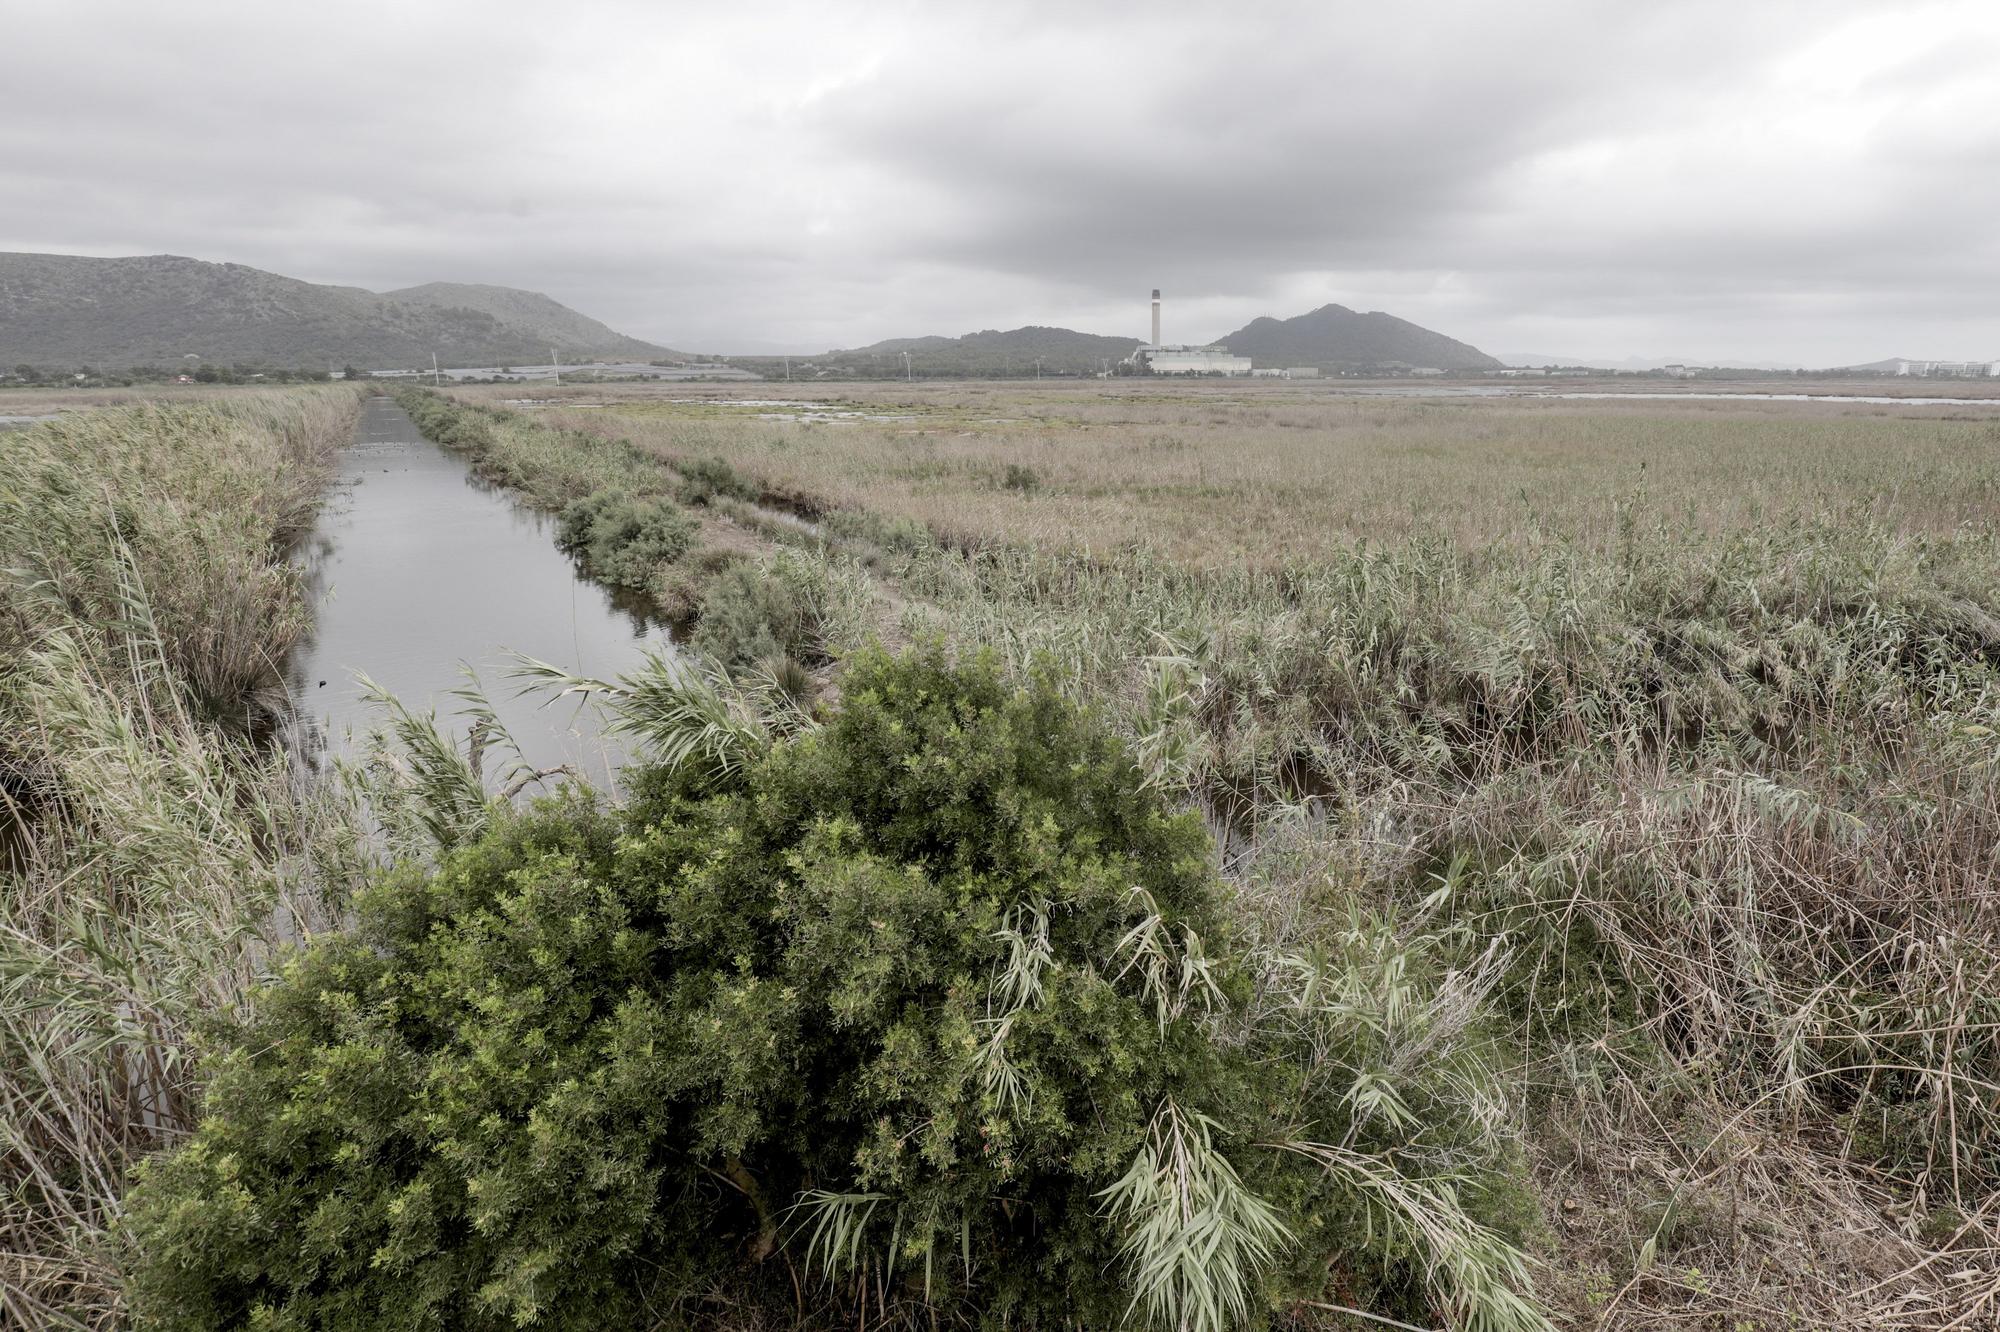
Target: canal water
x=419, y=569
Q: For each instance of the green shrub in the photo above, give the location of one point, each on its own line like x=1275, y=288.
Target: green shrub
x=624, y=538
x=754, y=613
x=678, y=589
x=467, y=429
x=936, y=997
x=899, y=535
x=702, y=479
x=586, y=1067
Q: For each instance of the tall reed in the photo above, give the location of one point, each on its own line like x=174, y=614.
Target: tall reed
x=154, y=849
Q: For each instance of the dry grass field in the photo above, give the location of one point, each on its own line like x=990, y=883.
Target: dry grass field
x=1233, y=474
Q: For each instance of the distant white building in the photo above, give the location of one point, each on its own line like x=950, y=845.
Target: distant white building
x=1160, y=359
x=1191, y=361
x=1302, y=372
x=1948, y=369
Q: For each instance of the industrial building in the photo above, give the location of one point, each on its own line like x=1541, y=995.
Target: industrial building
x=1946, y=369
x=1192, y=361
x=1157, y=358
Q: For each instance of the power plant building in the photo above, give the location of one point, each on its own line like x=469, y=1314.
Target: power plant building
x=1160, y=359
x=1193, y=361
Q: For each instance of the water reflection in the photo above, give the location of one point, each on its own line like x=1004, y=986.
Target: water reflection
x=421, y=570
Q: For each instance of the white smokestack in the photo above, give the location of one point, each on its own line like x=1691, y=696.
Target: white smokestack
x=1156, y=316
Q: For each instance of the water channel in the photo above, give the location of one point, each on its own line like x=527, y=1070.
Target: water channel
x=419, y=569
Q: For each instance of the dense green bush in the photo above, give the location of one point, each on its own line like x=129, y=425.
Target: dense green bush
x=937, y=997
x=517, y=1091
x=678, y=589
x=1024, y=479
x=702, y=479
x=753, y=613
x=898, y=535
x=625, y=538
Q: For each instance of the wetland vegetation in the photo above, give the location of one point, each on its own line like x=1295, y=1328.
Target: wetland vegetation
x=1687, y=708
x=1214, y=857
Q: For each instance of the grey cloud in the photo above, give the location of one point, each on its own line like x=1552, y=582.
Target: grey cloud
x=1699, y=175
x=1280, y=143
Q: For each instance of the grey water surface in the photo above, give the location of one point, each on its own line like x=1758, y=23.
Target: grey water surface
x=419, y=567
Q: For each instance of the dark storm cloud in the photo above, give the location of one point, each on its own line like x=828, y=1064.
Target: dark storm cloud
x=1809, y=181
x=1314, y=138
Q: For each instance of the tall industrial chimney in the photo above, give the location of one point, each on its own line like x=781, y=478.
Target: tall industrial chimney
x=1156, y=316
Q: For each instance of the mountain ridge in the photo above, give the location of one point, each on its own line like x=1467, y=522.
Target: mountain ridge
x=1334, y=337
x=1062, y=351
x=160, y=309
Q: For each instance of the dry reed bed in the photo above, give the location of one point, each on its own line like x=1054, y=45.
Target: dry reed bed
x=1212, y=482
x=145, y=606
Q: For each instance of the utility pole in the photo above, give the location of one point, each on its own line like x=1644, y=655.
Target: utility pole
x=1038, y=369
x=788, y=369
x=909, y=375
x=435, y=381
x=555, y=366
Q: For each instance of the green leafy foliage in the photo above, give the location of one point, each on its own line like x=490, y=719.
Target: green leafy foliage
x=753, y=613
x=515, y=1094
x=936, y=995
x=703, y=479
x=625, y=538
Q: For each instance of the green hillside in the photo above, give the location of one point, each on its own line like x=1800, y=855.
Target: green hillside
x=72, y=310
x=1334, y=337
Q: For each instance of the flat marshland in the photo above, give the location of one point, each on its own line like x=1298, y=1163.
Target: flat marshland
x=1264, y=476
x=1689, y=708
x=1553, y=873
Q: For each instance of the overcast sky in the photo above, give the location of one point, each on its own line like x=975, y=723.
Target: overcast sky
x=1751, y=180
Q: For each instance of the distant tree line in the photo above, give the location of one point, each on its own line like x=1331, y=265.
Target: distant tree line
x=89, y=376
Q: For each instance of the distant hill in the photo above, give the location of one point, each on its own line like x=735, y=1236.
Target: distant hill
x=1334, y=337
x=1896, y=365
x=1541, y=359
x=1062, y=351
x=67, y=310
x=531, y=313
x=897, y=346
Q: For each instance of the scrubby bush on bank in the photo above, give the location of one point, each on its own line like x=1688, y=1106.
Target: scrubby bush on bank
x=752, y=613
x=623, y=538
x=550, y=468
x=703, y=479
x=938, y=998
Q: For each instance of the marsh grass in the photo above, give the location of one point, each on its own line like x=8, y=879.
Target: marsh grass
x=198, y=501
x=1691, y=709
x=157, y=848
x=1210, y=480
